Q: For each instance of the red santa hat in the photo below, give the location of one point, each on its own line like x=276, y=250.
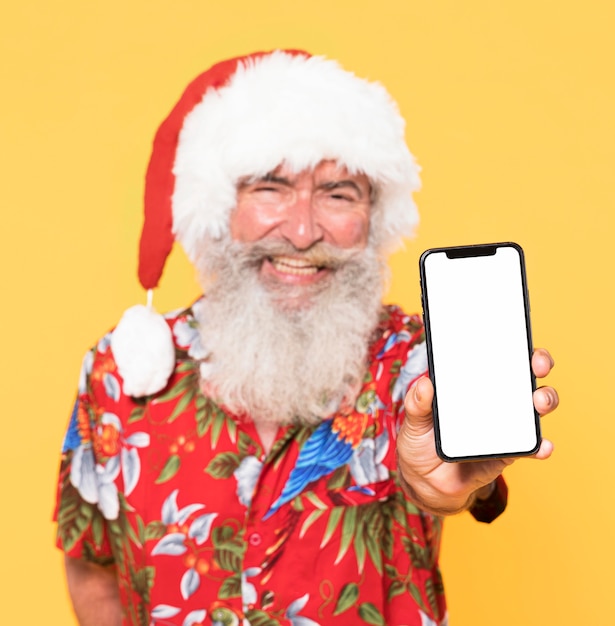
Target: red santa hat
x=244, y=117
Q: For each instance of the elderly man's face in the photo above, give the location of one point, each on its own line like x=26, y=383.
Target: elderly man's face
x=327, y=204
x=293, y=295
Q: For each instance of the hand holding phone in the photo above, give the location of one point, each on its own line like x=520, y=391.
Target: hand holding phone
x=477, y=323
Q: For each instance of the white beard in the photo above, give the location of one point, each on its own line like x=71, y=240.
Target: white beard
x=276, y=361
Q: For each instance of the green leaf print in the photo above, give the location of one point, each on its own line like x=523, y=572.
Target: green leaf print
x=142, y=581
x=310, y=519
x=391, y=572
x=73, y=517
x=231, y=587
x=394, y=370
x=97, y=530
x=267, y=597
x=332, y=524
x=171, y=467
x=365, y=400
x=339, y=479
x=209, y=415
x=370, y=614
x=229, y=549
x=223, y=465
x=118, y=541
x=245, y=443
x=415, y=592
x=137, y=414
x=229, y=558
x=421, y=556
x=155, y=530
x=181, y=406
x=188, y=382
x=256, y=617
x=89, y=554
x=186, y=366
x=140, y=529
x=86, y=513
x=349, y=529
x=360, y=552
x=132, y=535
x=315, y=500
x=374, y=549
x=144, y=616
x=431, y=593
x=216, y=429
x=396, y=366
x=397, y=588
x=347, y=598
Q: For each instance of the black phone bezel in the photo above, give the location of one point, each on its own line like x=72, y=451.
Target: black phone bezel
x=464, y=251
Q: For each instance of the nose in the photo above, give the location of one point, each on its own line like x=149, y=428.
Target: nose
x=301, y=226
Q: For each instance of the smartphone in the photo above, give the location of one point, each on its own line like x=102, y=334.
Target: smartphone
x=479, y=349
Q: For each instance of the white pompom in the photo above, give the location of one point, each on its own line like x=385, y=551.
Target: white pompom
x=144, y=352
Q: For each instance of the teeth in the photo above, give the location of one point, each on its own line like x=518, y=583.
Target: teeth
x=290, y=265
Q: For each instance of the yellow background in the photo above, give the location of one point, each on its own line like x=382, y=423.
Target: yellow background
x=510, y=109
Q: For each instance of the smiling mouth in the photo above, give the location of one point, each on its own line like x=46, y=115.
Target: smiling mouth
x=291, y=265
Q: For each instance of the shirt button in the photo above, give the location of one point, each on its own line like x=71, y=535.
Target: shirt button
x=255, y=539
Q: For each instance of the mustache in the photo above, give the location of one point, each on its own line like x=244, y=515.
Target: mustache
x=320, y=254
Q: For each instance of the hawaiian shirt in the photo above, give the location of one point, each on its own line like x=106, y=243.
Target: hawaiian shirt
x=205, y=528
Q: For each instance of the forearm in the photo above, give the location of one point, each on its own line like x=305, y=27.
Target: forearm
x=94, y=593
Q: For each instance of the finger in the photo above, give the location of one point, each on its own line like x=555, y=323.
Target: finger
x=546, y=399
x=545, y=450
x=542, y=362
x=419, y=398
x=418, y=405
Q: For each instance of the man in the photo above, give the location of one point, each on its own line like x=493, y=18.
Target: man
x=255, y=459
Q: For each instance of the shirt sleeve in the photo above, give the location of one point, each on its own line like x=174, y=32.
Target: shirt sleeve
x=81, y=527
x=487, y=510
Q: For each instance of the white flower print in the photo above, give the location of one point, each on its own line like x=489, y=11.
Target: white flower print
x=163, y=612
x=427, y=621
x=95, y=482
x=104, y=343
x=366, y=464
x=186, y=331
x=86, y=370
x=182, y=540
x=415, y=365
x=292, y=612
x=247, y=475
x=248, y=590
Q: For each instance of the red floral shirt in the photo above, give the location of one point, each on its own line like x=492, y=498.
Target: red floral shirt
x=204, y=528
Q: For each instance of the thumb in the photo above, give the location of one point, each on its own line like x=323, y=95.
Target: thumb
x=418, y=405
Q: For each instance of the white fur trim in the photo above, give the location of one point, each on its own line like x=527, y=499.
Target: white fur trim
x=298, y=110
x=144, y=352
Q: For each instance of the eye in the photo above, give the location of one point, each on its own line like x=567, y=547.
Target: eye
x=342, y=196
x=266, y=188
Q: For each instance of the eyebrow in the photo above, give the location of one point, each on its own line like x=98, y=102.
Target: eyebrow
x=272, y=177
x=337, y=184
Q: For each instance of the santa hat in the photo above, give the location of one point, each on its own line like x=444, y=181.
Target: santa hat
x=244, y=117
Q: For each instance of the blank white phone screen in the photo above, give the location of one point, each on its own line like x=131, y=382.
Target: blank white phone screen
x=480, y=354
